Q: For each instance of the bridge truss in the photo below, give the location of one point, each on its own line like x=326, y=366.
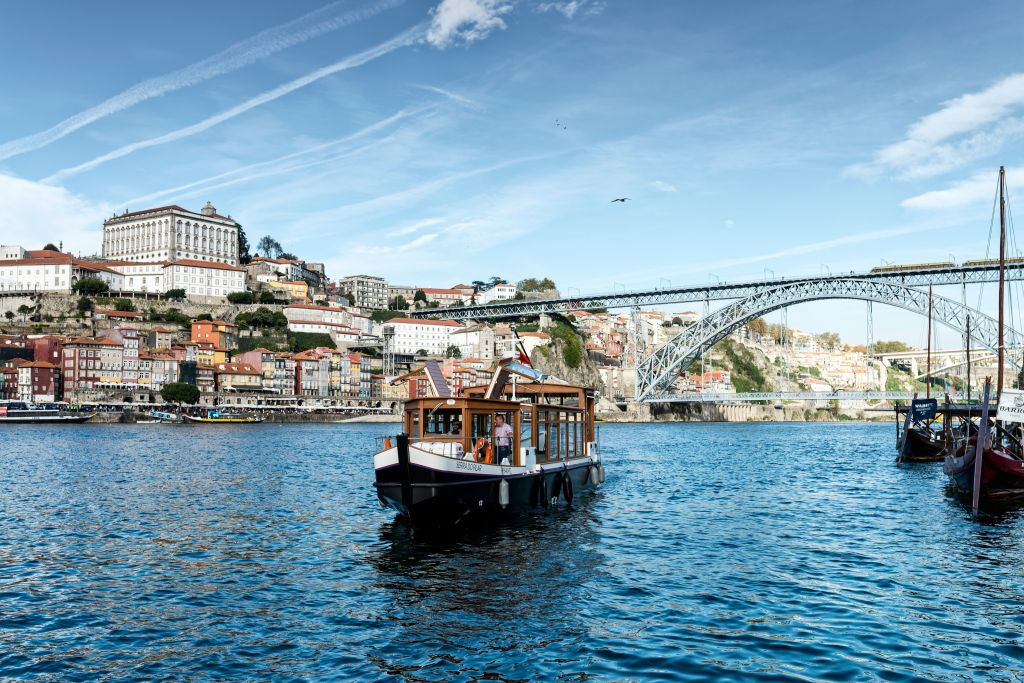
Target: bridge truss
x=729, y=397
x=908, y=277
x=656, y=373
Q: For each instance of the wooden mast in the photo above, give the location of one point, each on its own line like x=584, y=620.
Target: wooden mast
x=968, y=358
x=928, y=375
x=1002, y=277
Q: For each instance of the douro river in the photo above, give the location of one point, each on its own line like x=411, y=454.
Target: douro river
x=712, y=551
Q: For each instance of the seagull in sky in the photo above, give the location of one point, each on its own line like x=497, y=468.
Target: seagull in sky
x=621, y=199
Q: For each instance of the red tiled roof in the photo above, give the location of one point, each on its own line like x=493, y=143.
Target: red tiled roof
x=110, y=312
x=236, y=369
x=39, y=364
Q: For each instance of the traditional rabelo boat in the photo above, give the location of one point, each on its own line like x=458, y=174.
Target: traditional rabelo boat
x=28, y=413
x=919, y=440
x=452, y=460
x=990, y=466
x=218, y=417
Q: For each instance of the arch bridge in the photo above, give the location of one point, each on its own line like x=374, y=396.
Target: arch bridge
x=656, y=372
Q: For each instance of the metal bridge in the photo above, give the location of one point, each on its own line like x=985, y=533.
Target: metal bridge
x=752, y=299
x=908, y=277
x=656, y=372
x=727, y=397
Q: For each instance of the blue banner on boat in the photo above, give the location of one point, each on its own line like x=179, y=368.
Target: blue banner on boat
x=924, y=408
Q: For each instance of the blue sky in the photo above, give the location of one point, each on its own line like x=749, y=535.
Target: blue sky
x=418, y=140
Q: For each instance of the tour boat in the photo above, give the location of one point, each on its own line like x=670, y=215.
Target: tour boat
x=920, y=442
x=165, y=417
x=27, y=413
x=452, y=460
x=217, y=417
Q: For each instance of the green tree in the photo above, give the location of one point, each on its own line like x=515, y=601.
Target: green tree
x=677, y=321
x=240, y=297
x=891, y=347
x=420, y=296
x=288, y=255
x=123, y=305
x=303, y=341
x=398, y=304
x=453, y=352
x=9, y=315
x=421, y=352
x=177, y=294
x=478, y=286
x=269, y=246
x=243, y=247
x=267, y=298
x=178, y=392
x=84, y=304
x=90, y=286
x=50, y=247
x=384, y=316
x=24, y=310
x=204, y=316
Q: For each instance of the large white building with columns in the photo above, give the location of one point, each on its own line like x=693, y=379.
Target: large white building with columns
x=171, y=233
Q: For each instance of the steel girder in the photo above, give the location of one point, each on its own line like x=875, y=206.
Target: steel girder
x=727, y=290
x=724, y=397
x=656, y=372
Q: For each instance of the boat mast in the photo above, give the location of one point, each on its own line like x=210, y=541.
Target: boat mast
x=928, y=375
x=1002, y=276
x=968, y=358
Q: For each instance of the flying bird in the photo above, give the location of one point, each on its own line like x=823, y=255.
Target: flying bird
x=621, y=199
x=561, y=125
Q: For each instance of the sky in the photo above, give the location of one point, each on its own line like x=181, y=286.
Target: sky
x=443, y=141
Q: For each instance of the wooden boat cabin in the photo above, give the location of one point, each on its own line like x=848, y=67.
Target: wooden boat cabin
x=549, y=423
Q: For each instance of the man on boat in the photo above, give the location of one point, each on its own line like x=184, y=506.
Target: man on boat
x=502, y=439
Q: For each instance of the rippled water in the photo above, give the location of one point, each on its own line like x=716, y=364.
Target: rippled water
x=736, y=551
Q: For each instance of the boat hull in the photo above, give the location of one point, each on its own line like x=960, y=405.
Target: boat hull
x=222, y=420
x=1002, y=475
x=919, y=446
x=446, y=490
x=46, y=420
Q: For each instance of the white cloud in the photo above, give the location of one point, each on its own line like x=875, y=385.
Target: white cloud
x=465, y=20
x=662, y=186
x=241, y=54
x=978, y=189
x=569, y=8
x=34, y=214
x=403, y=39
x=415, y=227
x=277, y=165
x=454, y=96
x=963, y=129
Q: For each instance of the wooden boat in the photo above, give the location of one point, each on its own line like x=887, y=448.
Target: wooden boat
x=992, y=472
x=922, y=444
x=990, y=466
x=217, y=417
x=26, y=413
x=451, y=462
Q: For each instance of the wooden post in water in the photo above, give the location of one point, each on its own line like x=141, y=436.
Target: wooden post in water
x=404, y=472
x=979, y=449
x=902, y=438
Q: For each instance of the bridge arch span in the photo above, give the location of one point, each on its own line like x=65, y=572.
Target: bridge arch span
x=658, y=370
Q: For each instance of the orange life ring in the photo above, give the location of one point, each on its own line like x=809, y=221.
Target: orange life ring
x=482, y=447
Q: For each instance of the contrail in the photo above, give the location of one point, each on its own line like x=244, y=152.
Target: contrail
x=205, y=182
x=405, y=38
x=259, y=46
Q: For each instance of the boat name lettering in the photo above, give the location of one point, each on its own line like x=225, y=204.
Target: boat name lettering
x=463, y=465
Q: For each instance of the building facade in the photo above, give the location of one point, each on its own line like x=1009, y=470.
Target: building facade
x=369, y=291
x=170, y=233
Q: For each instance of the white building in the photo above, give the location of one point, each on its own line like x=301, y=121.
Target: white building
x=411, y=335
x=51, y=271
x=12, y=252
x=502, y=291
x=203, y=278
x=476, y=341
x=171, y=233
x=369, y=291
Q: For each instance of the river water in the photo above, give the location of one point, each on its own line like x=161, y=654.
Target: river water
x=724, y=551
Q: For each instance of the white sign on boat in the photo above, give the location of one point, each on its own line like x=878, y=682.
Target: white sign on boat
x=1011, y=406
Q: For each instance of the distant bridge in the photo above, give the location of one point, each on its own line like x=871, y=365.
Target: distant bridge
x=726, y=397
x=909, y=276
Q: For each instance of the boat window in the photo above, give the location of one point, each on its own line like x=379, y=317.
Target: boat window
x=526, y=429
x=542, y=432
x=444, y=422
x=414, y=429
x=481, y=426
